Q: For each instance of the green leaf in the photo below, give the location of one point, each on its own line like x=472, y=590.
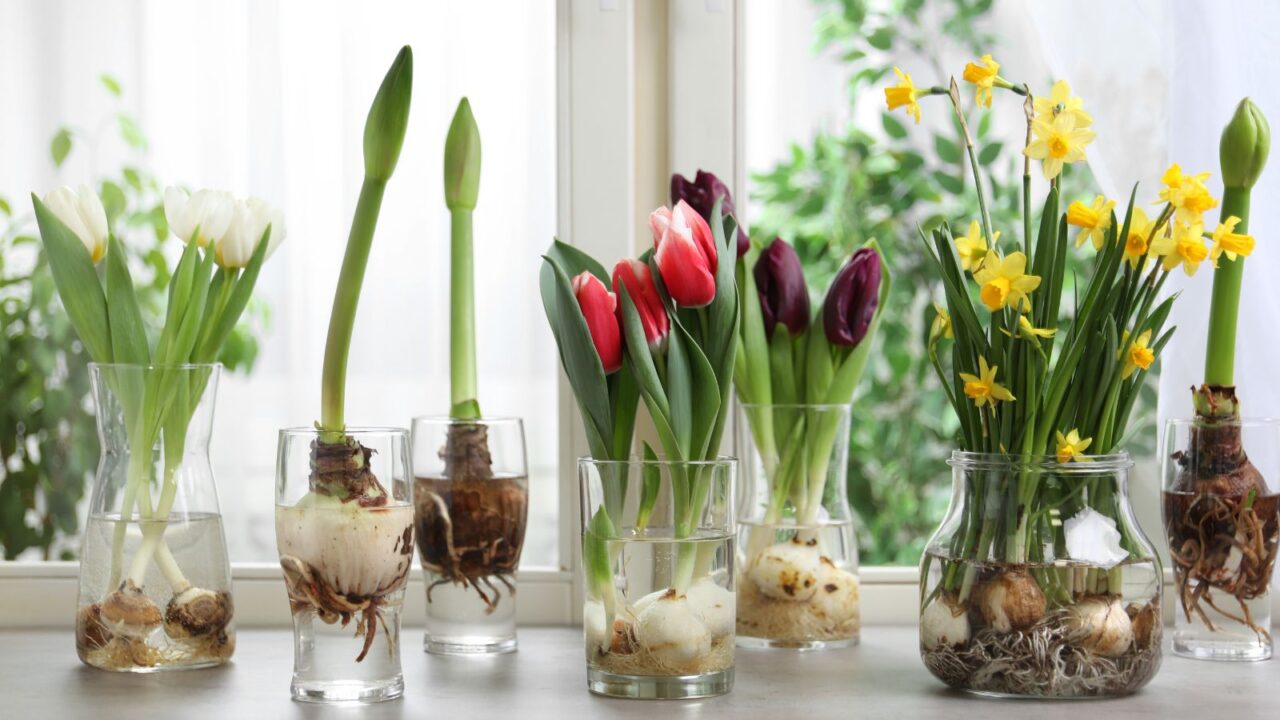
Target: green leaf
x=5, y=209
x=113, y=200
x=130, y=132
x=226, y=319
x=579, y=357
x=989, y=153
x=111, y=84
x=60, y=147
x=881, y=39
x=892, y=126
x=651, y=481
x=128, y=334
x=77, y=282
x=948, y=182
x=948, y=151
x=132, y=178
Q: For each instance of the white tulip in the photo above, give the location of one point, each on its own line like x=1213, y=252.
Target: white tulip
x=208, y=212
x=82, y=212
x=248, y=222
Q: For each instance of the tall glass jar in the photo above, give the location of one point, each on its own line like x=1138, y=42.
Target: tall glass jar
x=797, y=556
x=472, y=490
x=155, y=584
x=1039, y=581
x=657, y=550
x=1222, y=520
x=344, y=529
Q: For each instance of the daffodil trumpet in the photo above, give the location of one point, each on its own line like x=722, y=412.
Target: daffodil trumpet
x=1037, y=527
x=1220, y=515
x=158, y=388
x=347, y=543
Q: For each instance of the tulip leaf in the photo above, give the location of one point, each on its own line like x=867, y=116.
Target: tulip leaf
x=708, y=411
x=77, y=282
x=624, y=396
x=679, y=386
x=640, y=364
x=782, y=367
x=573, y=261
x=128, y=337
x=578, y=355
x=226, y=318
x=650, y=483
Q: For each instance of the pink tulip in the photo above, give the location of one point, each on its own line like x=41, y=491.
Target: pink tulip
x=685, y=253
x=635, y=276
x=598, y=307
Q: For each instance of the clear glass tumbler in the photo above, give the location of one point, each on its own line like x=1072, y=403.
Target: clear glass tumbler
x=471, y=484
x=1222, y=520
x=344, y=529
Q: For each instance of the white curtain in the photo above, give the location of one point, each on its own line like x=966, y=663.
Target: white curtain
x=269, y=97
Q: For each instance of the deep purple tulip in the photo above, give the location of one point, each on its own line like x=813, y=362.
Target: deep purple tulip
x=851, y=301
x=701, y=194
x=784, y=297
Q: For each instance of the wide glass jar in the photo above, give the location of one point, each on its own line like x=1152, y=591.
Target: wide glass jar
x=797, y=556
x=155, y=584
x=1039, y=583
x=657, y=556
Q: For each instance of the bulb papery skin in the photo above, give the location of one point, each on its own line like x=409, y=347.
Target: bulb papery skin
x=1104, y=625
x=945, y=621
x=647, y=600
x=837, y=593
x=197, y=611
x=358, y=551
x=787, y=570
x=1011, y=601
x=130, y=613
x=671, y=629
x=715, y=605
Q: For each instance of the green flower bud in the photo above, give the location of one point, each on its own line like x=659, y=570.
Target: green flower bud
x=388, y=118
x=1245, y=143
x=462, y=160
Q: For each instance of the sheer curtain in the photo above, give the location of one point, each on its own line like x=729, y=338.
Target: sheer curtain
x=269, y=97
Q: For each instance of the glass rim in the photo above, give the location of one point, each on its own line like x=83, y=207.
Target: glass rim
x=360, y=430
x=719, y=461
x=153, y=366
x=801, y=406
x=1246, y=421
x=1091, y=465
x=483, y=420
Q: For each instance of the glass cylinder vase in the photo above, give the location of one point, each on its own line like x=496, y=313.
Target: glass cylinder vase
x=657, y=556
x=797, y=582
x=1039, y=583
x=155, y=584
x=472, y=491
x=1222, y=520
x=344, y=529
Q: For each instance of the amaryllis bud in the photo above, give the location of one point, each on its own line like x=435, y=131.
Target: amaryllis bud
x=638, y=280
x=1246, y=141
x=701, y=195
x=686, y=254
x=784, y=297
x=851, y=301
x=599, y=307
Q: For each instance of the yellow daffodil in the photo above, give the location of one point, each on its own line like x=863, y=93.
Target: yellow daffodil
x=1138, y=354
x=972, y=246
x=1003, y=281
x=941, y=327
x=1188, y=195
x=1135, y=245
x=1184, y=247
x=1071, y=447
x=984, y=74
x=904, y=94
x=1226, y=241
x=1057, y=142
x=1093, y=220
x=1060, y=101
x=982, y=388
x=1027, y=331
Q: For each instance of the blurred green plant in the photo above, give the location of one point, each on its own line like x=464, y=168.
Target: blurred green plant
x=845, y=187
x=48, y=438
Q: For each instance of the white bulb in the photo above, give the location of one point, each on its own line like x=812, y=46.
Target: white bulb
x=836, y=597
x=1104, y=625
x=787, y=571
x=672, y=631
x=715, y=605
x=944, y=622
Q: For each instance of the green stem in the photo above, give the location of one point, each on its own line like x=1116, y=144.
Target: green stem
x=1224, y=309
x=343, y=316
x=462, y=321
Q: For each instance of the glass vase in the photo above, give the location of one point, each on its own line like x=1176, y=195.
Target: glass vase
x=797, y=582
x=1039, y=583
x=472, y=491
x=657, y=549
x=344, y=529
x=1222, y=519
x=155, y=584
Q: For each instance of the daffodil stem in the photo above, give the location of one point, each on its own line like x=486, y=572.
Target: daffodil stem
x=345, y=299
x=462, y=322
x=1224, y=309
x=973, y=160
